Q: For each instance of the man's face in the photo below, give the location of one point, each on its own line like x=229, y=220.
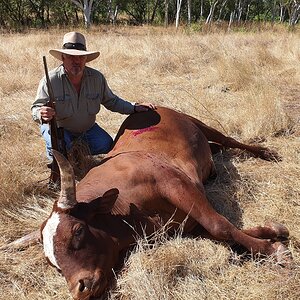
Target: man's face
x=74, y=64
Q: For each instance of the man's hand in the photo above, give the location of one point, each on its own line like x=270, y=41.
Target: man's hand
x=47, y=113
x=140, y=107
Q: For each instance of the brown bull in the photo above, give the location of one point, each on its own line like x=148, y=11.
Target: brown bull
x=155, y=172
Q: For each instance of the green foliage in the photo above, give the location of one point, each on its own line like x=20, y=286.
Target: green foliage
x=196, y=27
x=21, y=14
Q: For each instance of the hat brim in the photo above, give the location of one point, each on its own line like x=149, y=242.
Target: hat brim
x=91, y=55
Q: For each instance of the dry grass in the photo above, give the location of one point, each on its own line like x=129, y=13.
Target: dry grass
x=245, y=84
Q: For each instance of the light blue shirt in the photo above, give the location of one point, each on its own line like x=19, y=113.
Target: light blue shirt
x=77, y=113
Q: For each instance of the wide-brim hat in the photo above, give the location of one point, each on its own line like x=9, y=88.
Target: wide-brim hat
x=74, y=44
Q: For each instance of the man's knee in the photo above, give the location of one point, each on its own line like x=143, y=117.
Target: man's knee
x=103, y=147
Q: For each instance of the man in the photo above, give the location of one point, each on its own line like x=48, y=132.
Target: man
x=79, y=92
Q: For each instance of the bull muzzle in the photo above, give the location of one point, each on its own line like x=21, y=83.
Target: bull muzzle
x=86, y=287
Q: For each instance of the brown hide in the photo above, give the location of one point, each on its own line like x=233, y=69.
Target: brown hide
x=154, y=172
x=150, y=151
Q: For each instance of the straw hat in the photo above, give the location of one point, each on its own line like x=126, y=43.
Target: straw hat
x=74, y=44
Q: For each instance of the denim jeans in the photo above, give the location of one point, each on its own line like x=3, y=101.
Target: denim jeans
x=98, y=140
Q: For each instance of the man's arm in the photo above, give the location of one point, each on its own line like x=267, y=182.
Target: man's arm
x=39, y=110
x=116, y=104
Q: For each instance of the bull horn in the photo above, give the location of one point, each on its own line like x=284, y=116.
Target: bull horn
x=25, y=241
x=67, y=198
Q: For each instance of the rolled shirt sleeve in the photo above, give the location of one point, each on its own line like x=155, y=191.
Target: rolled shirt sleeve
x=114, y=103
x=41, y=99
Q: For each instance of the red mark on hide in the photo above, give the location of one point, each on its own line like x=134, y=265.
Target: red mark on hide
x=143, y=130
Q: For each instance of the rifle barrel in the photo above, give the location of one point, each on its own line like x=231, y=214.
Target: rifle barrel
x=54, y=176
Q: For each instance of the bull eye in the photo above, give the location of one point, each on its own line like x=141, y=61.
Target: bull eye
x=79, y=232
x=78, y=236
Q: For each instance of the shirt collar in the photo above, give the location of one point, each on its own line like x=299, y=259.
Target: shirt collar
x=62, y=72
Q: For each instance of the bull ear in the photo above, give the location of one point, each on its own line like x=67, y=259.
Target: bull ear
x=102, y=205
x=107, y=201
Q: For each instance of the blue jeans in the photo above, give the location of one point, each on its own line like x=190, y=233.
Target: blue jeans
x=98, y=140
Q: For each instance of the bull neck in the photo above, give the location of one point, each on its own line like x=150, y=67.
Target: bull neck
x=124, y=230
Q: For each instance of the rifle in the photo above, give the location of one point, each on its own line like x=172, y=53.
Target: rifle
x=56, y=133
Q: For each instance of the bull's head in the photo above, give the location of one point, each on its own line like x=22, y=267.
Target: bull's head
x=84, y=254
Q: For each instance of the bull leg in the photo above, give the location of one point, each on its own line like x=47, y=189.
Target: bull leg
x=192, y=200
x=257, y=151
x=271, y=230
x=217, y=137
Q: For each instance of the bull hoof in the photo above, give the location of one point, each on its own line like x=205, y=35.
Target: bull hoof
x=268, y=154
x=282, y=254
x=281, y=231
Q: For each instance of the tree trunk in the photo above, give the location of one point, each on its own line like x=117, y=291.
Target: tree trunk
x=221, y=9
x=166, y=13
x=86, y=7
x=295, y=13
x=273, y=12
x=189, y=11
x=230, y=20
x=179, y=2
x=247, y=12
x=154, y=11
x=201, y=10
x=112, y=13
x=281, y=18
x=239, y=11
x=211, y=11
x=115, y=14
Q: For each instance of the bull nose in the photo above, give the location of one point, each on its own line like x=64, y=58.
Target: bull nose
x=88, y=288
x=84, y=285
x=83, y=289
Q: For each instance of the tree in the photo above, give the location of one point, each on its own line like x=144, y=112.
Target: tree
x=155, y=7
x=166, y=13
x=294, y=12
x=213, y=4
x=38, y=8
x=16, y=12
x=61, y=12
x=189, y=9
x=21, y=14
x=137, y=10
x=112, y=12
x=86, y=6
x=223, y=4
x=178, y=8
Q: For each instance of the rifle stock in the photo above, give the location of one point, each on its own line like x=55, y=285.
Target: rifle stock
x=57, y=137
